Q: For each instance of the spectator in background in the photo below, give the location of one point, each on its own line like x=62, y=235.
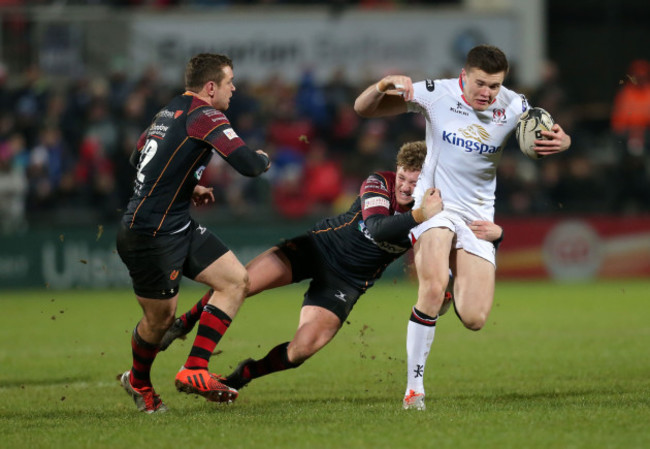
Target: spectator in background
x=580, y=182
x=551, y=94
x=323, y=176
x=13, y=183
x=311, y=101
x=372, y=152
x=631, y=111
x=512, y=195
x=5, y=93
x=630, y=122
x=77, y=103
x=30, y=103
x=94, y=176
x=77, y=107
x=288, y=130
x=49, y=172
x=343, y=132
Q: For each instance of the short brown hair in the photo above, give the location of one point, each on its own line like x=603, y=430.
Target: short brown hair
x=411, y=155
x=488, y=58
x=205, y=67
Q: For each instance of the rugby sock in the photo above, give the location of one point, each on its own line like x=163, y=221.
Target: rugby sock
x=212, y=325
x=419, y=337
x=276, y=360
x=193, y=315
x=143, y=356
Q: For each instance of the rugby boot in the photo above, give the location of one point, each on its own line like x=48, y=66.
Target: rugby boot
x=146, y=399
x=413, y=401
x=204, y=383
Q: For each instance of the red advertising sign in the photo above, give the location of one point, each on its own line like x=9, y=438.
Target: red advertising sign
x=575, y=248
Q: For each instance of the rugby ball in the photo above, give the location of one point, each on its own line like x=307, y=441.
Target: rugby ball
x=529, y=128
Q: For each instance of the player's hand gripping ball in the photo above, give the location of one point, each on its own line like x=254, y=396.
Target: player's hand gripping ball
x=529, y=128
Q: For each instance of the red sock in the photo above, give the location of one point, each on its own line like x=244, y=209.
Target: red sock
x=194, y=314
x=212, y=325
x=143, y=356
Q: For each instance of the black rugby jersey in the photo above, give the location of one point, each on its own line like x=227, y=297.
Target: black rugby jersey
x=171, y=156
x=360, y=243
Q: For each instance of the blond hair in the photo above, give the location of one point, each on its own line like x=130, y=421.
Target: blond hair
x=411, y=155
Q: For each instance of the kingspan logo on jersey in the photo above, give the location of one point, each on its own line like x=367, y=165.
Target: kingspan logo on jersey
x=388, y=247
x=471, y=139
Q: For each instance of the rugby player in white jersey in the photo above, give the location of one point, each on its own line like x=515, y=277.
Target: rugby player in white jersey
x=468, y=121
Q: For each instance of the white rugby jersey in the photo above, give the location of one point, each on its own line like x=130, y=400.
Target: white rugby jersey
x=464, y=146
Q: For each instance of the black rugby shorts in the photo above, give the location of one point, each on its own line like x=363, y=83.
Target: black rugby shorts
x=156, y=264
x=327, y=288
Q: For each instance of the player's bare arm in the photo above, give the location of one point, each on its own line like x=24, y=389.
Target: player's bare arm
x=202, y=195
x=486, y=230
x=555, y=141
x=385, y=98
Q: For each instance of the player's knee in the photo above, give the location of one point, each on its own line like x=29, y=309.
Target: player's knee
x=244, y=285
x=301, y=352
x=239, y=286
x=160, y=321
x=432, y=290
x=473, y=321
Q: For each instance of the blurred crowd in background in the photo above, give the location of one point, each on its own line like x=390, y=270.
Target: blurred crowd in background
x=64, y=149
x=212, y=3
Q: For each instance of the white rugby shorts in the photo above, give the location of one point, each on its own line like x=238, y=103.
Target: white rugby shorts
x=465, y=238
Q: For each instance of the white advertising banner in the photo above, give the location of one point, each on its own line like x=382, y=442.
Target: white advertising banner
x=364, y=44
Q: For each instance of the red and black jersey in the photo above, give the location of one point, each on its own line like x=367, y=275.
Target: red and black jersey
x=171, y=156
x=360, y=243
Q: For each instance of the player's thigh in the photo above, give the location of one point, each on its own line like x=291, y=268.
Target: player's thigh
x=269, y=270
x=473, y=287
x=210, y=262
x=290, y=261
x=431, y=255
x=224, y=274
x=316, y=328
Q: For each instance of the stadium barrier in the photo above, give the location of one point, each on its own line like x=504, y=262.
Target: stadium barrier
x=540, y=248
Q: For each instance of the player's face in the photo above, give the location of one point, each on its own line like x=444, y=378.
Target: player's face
x=223, y=91
x=480, y=88
x=405, y=181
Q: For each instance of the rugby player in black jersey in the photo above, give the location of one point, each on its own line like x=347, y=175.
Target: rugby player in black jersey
x=343, y=256
x=159, y=241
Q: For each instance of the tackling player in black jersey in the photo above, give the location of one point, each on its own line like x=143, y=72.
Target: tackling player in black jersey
x=159, y=241
x=343, y=256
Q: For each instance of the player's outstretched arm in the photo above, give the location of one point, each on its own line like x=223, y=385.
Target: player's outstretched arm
x=248, y=162
x=385, y=98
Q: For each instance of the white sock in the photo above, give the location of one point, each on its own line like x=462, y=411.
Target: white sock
x=419, y=337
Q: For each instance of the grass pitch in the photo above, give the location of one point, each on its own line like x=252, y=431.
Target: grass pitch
x=557, y=366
